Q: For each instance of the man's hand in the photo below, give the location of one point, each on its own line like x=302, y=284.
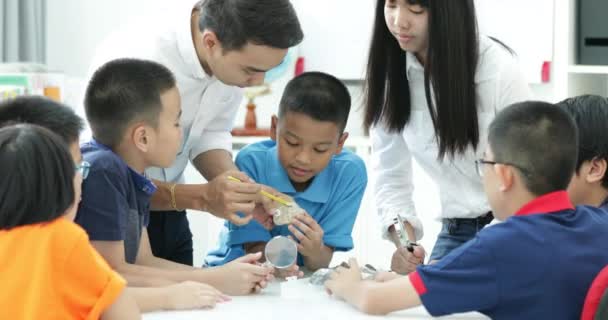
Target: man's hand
x=224, y=197
x=262, y=216
x=405, y=262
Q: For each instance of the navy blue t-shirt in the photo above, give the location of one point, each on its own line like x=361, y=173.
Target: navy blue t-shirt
x=115, y=202
x=538, y=264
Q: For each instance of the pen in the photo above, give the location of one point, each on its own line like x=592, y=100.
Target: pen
x=267, y=195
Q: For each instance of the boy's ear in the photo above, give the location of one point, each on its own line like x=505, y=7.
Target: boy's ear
x=140, y=137
x=341, y=142
x=506, y=176
x=596, y=170
x=274, y=124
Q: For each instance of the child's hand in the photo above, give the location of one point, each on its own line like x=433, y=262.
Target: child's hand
x=192, y=295
x=405, y=262
x=265, y=207
x=243, y=275
x=385, y=276
x=309, y=234
x=341, y=280
x=293, y=271
x=263, y=217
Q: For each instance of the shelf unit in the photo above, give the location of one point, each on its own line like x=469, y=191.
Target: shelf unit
x=571, y=79
x=583, y=69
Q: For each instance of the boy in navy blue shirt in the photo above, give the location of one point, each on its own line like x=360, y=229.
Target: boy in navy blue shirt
x=304, y=160
x=133, y=107
x=538, y=264
x=589, y=186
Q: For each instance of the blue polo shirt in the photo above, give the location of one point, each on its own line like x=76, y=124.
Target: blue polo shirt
x=538, y=264
x=115, y=199
x=332, y=199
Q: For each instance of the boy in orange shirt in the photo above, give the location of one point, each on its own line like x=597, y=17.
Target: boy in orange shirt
x=49, y=269
x=62, y=121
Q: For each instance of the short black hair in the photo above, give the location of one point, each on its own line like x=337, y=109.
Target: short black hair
x=37, y=176
x=318, y=95
x=272, y=23
x=122, y=91
x=44, y=112
x=540, y=140
x=590, y=112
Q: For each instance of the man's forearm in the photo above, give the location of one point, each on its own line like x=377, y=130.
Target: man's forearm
x=212, y=163
x=187, y=196
x=321, y=260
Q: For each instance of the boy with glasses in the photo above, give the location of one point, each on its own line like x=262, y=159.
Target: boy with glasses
x=537, y=264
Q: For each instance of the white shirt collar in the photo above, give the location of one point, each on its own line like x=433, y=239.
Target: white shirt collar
x=412, y=64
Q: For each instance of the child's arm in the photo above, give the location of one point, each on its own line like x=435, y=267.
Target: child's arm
x=124, y=307
x=372, y=297
x=185, y=295
x=239, y=277
x=331, y=231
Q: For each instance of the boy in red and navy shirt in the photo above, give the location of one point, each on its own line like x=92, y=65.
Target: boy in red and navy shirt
x=538, y=264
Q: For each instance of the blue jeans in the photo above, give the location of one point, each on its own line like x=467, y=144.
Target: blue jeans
x=455, y=232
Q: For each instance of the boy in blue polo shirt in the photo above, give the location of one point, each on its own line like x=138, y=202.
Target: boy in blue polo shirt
x=538, y=264
x=134, y=109
x=589, y=186
x=304, y=160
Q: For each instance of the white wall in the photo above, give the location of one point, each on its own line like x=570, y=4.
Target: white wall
x=75, y=27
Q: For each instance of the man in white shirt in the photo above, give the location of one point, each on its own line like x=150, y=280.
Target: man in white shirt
x=214, y=48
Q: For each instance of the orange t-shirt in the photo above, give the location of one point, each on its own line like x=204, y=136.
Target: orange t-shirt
x=51, y=271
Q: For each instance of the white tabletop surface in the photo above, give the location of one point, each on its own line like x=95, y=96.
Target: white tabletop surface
x=294, y=300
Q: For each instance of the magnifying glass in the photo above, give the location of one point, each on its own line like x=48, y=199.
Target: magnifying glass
x=281, y=252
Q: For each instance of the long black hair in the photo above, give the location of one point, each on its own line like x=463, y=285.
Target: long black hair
x=450, y=69
x=37, y=176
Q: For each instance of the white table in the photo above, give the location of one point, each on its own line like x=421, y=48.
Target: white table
x=294, y=301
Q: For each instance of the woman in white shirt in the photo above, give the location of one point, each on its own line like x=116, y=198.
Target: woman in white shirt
x=433, y=86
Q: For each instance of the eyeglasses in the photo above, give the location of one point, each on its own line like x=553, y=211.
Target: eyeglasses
x=480, y=162
x=83, y=168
